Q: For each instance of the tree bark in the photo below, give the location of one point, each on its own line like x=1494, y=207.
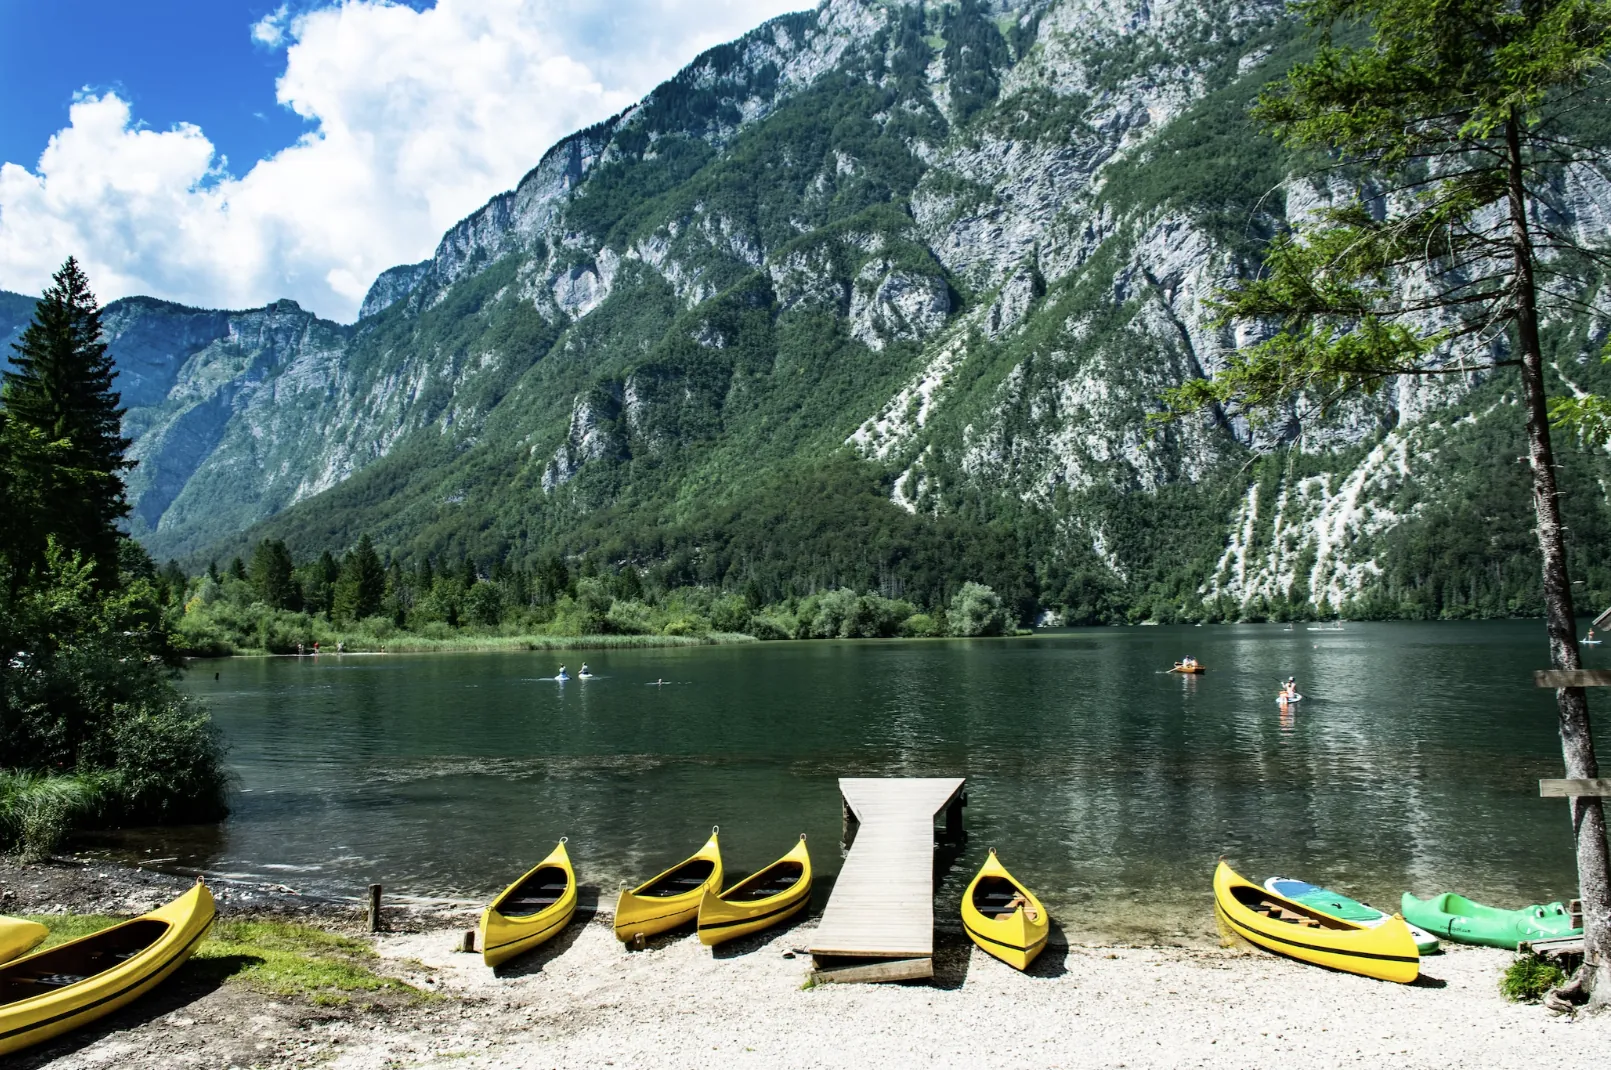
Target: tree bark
x=1577, y=742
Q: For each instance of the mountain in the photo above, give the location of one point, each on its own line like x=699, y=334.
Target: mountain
x=877, y=295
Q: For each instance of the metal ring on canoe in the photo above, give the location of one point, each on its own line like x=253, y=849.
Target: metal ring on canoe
x=802, y=837
x=562, y=839
x=714, y=829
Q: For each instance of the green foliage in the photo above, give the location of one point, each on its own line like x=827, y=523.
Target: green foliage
x=361, y=586
x=58, y=396
x=1529, y=978
x=271, y=574
x=977, y=610
x=37, y=811
x=90, y=722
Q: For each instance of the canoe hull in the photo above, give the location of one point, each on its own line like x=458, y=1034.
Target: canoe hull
x=723, y=919
x=18, y=937
x=638, y=914
x=1014, y=939
x=1386, y=952
x=39, y=1018
x=504, y=937
x=1457, y=918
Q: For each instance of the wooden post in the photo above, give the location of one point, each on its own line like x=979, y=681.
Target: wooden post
x=469, y=941
x=847, y=824
x=374, y=908
x=954, y=832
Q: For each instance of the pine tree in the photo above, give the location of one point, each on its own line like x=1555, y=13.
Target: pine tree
x=270, y=573
x=1453, y=113
x=59, y=392
x=361, y=588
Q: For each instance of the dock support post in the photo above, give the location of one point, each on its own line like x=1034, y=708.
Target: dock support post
x=848, y=824
x=954, y=832
x=374, y=908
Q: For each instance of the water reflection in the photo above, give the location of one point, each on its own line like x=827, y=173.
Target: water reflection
x=1110, y=784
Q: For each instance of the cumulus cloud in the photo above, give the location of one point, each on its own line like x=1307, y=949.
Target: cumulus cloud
x=416, y=118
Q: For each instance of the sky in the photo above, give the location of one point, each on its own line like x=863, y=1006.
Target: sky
x=227, y=153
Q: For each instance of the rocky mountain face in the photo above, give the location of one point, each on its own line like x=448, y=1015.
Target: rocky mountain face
x=880, y=294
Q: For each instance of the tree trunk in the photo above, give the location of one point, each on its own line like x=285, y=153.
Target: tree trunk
x=1577, y=743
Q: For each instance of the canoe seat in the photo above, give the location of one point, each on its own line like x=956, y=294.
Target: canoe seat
x=57, y=980
x=1280, y=913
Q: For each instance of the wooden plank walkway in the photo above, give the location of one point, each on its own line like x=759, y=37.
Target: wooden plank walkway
x=882, y=906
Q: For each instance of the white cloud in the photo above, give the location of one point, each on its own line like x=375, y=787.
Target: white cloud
x=417, y=117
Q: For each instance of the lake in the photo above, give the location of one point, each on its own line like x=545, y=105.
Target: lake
x=1108, y=786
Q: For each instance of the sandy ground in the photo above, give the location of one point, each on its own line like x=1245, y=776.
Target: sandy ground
x=584, y=1001
x=588, y=1002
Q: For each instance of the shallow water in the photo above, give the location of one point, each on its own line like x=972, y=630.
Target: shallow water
x=1109, y=787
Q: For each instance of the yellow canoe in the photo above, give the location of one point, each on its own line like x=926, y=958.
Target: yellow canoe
x=51, y=992
x=673, y=897
x=18, y=937
x=775, y=894
x=531, y=910
x=1275, y=923
x=1005, y=931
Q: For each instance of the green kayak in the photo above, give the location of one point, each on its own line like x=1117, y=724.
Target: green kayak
x=1461, y=920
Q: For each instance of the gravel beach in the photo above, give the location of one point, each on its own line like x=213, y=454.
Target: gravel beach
x=584, y=1001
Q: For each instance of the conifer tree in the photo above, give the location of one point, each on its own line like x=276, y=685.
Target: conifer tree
x=59, y=392
x=361, y=587
x=1453, y=114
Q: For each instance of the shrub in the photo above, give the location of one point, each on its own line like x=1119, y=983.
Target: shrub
x=922, y=626
x=37, y=811
x=1528, y=978
x=977, y=610
x=765, y=626
x=630, y=618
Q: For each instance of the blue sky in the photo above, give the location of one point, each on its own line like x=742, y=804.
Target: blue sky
x=173, y=60
x=226, y=154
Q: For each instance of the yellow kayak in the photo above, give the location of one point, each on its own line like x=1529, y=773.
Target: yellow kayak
x=996, y=912
x=51, y=992
x=775, y=894
x=1287, y=927
x=18, y=937
x=672, y=898
x=530, y=910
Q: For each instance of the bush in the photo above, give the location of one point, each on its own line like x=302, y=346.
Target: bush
x=764, y=626
x=977, y=610
x=168, y=767
x=37, y=811
x=1528, y=978
x=630, y=618
x=922, y=626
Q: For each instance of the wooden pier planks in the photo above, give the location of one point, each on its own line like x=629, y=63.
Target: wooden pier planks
x=882, y=905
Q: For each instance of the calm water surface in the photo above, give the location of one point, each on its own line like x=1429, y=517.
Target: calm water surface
x=1105, y=785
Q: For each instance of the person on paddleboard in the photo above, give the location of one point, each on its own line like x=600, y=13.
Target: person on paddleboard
x=1289, y=690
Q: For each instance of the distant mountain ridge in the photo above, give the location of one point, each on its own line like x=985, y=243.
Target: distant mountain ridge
x=879, y=295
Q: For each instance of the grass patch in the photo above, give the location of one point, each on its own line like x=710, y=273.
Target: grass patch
x=1528, y=978
x=277, y=957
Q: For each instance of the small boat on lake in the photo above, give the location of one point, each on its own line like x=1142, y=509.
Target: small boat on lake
x=1288, y=927
x=672, y=898
x=1466, y=922
x=531, y=910
x=1003, y=917
x=1189, y=668
x=18, y=936
x=770, y=897
x=1340, y=906
x=51, y=992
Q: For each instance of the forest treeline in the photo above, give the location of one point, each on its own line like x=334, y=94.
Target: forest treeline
x=274, y=604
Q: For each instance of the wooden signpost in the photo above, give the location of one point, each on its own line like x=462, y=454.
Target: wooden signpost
x=1571, y=946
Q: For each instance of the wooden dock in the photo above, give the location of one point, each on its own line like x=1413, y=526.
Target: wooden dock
x=882, y=907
